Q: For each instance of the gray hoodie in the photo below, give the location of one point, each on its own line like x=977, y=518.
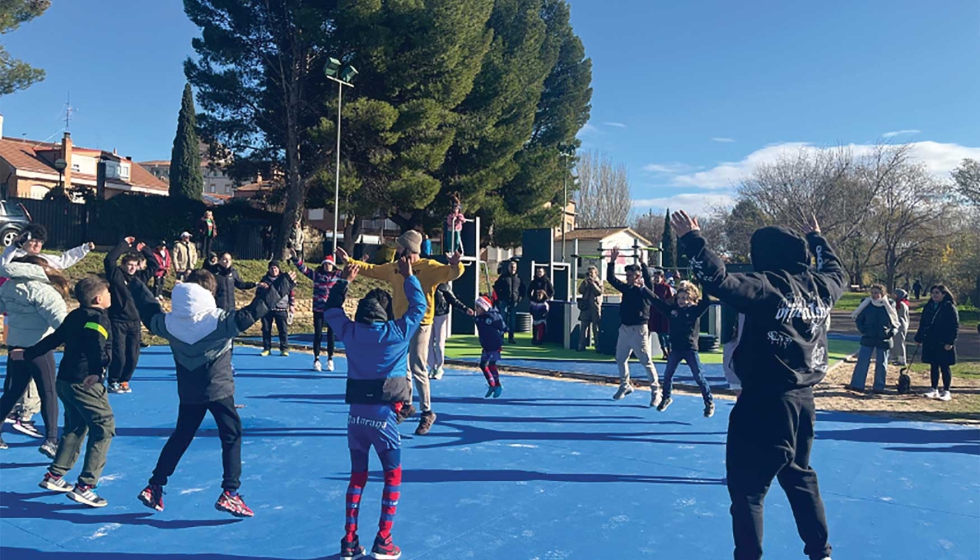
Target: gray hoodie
x=34, y=308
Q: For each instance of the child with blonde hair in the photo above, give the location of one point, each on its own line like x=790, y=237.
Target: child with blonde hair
x=684, y=313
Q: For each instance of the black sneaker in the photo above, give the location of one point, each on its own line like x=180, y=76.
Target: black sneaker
x=406, y=412
x=152, y=497
x=28, y=428
x=86, y=495
x=384, y=549
x=667, y=401
x=709, y=409
x=49, y=448
x=425, y=424
x=351, y=550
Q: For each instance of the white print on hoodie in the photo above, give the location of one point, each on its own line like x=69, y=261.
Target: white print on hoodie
x=195, y=314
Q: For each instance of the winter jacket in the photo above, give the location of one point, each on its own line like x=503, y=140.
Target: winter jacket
x=185, y=256
x=206, y=231
x=430, y=274
x=902, y=310
x=544, y=285
x=634, y=309
x=445, y=298
x=61, y=262
x=287, y=298
x=85, y=333
x=201, y=335
x=227, y=280
x=160, y=263
x=377, y=353
x=33, y=307
x=509, y=288
x=876, y=326
x=938, y=327
x=323, y=281
x=783, y=343
x=684, y=323
x=590, y=308
x=491, y=328
x=658, y=321
x=123, y=308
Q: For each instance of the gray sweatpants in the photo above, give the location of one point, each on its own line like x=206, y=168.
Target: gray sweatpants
x=635, y=339
x=418, y=360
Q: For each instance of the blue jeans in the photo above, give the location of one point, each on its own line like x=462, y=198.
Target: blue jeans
x=509, y=311
x=864, y=362
x=693, y=362
x=664, y=339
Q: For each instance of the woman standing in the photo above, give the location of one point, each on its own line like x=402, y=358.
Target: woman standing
x=34, y=301
x=208, y=229
x=590, y=308
x=902, y=308
x=444, y=299
x=877, y=321
x=937, y=334
x=324, y=277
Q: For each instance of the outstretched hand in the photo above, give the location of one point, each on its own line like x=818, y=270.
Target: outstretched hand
x=140, y=246
x=810, y=224
x=683, y=224
x=614, y=254
x=130, y=240
x=341, y=255
x=350, y=272
x=454, y=258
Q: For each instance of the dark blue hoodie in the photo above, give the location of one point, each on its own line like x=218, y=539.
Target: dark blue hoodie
x=491, y=328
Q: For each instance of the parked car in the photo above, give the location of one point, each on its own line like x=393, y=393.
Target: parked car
x=13, y=218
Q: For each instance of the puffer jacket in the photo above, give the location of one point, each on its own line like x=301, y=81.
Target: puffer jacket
x=876, y=327
x=287, y=298
x=34, y=308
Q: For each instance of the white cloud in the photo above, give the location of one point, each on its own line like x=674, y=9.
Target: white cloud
x=669, y=168
x=938, y=158
x=895, y=133
x=616, y=124
x=693, y=203
x=722, y=139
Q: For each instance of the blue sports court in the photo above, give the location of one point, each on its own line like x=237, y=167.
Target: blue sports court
x=551, y=470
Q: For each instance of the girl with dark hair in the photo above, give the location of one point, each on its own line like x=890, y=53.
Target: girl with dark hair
x=937, y=332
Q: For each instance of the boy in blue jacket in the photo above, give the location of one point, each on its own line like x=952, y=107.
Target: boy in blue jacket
x=491, y=328
x=377, y=386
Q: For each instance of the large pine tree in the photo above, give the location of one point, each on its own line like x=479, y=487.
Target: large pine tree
x=667, y=243
x=185, y=160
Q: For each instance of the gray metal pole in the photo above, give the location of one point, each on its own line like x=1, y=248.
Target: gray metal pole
x=336, y=190
x=564, y=209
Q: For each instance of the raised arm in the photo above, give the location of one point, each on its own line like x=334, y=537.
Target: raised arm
x=266, y=297
x=241, y=284
x=829, y=269
x=71, y=256
x=611, y=277
x=409, y=323
x=111, y=261
x=301, y=266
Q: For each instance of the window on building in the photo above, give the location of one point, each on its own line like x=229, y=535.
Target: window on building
x=124, y=171
x=76, y=168
x=212, y=187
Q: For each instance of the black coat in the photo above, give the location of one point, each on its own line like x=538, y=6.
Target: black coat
x=542, y=284
x=445, y=298
x=123, y=308
x=938, y=327
x=509, y=288
x=877, y=330
x=227, y=280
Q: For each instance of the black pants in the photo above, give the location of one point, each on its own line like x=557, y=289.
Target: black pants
x=279, y=317
x=189, y=418
x=158, y=282
x=125, y=350
x=206, y=247
x=318, y=326
x=770, y=436
x=42, y=371
x=934, y=372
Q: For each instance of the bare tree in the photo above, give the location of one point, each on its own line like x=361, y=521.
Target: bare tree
x=649, y=225
x=604, y=198
x=967, y=177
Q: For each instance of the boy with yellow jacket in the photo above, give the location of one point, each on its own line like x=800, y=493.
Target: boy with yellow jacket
x=430, y=273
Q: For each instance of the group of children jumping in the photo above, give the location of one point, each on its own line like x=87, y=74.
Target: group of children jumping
x=787, y=295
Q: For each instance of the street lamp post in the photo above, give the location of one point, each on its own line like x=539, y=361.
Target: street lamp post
x=332, y=70
x=60, y=164
x=565, y=152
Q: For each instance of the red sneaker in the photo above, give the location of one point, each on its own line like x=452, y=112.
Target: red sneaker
x=384, y=549
x=233, y=505
x=152, y=497
x=351, y=550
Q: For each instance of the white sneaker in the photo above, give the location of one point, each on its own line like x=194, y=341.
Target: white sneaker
x=933, y=394
x=437, y=374
x=945, y=396
x=622, y=391
x=330, y=364
x=655, y=397
x=316, y=365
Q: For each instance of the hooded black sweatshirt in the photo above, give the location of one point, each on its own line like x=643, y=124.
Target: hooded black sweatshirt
x=634, y=309
x=786, y=303
x=123, y=308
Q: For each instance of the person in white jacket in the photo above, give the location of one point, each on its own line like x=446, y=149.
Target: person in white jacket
x=31, y=242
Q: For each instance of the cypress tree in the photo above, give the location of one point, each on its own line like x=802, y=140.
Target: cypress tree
x=185, y=160
x=667, y=241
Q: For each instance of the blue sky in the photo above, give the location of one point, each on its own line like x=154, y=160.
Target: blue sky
x=688, y=95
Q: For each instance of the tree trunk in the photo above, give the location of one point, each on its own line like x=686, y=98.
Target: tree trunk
x=409, y=223
x=352, y=230
x=292, y=215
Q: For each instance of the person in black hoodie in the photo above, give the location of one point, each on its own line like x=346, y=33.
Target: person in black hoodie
x=85, y=334
x=781, y=355
x=634, y=332
x=278, y=313
x=228, y=279
x=510, y=292
x=937, y=332
x=124, y=318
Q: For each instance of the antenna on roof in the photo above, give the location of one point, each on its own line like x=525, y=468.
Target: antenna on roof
x=69, y=111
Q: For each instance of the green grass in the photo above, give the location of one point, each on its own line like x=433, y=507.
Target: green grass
x=968, y=370
x=462, y=346
x=850, y=301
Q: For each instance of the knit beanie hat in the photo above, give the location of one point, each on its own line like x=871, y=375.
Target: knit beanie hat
x=411, y=241
x=483, y=302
